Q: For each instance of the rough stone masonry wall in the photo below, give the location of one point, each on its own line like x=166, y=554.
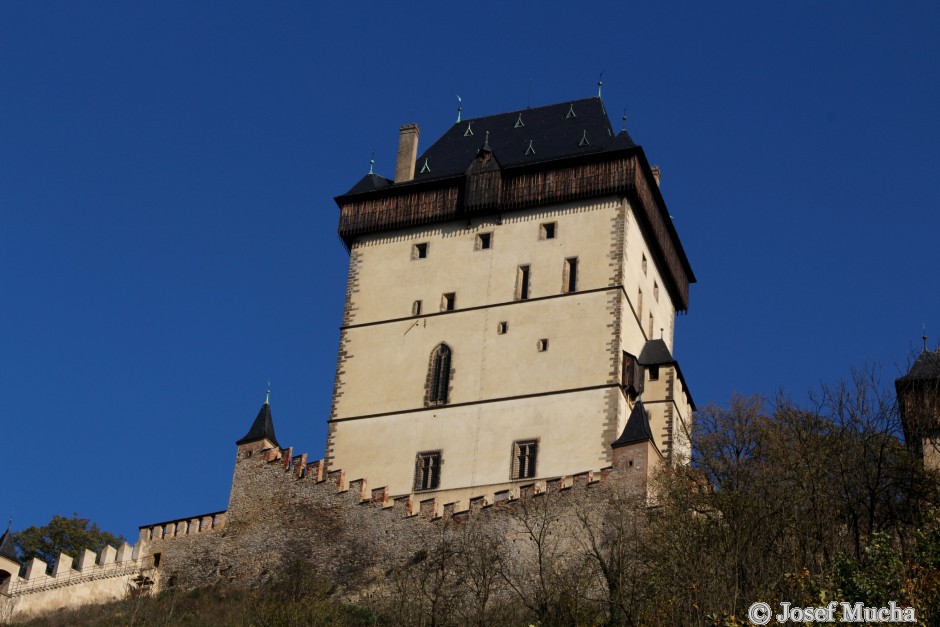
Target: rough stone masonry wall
x=284, y=511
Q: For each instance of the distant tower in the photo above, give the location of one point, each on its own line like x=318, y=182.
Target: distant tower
x=919, y=405
x=260, y=436
x=503, y=295
x=9, y=562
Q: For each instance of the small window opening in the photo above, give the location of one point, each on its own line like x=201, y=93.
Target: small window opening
x=425, y=168
x=543, y=345
x=156, y=560
x=643, y=263
x=570, y=113
x=428, y=471
x=438, y=382
x=584, y=140
x=484, y=241
x=524, y=456
x=469, y=131
x=420, y=251
x=530, y=150
x=630, y=462
x=654, y=373
x=547, y=231
x=448, y=301
x=650, y=334
x=656, y=291
x=571, y=275
x=502, y=327
x=639, y=306
x=416, y=308
x=522, y=283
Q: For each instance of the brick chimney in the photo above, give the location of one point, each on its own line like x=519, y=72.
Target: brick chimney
x=656, y=172
x=407, y=153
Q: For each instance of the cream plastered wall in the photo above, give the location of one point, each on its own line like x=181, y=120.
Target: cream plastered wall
x=650, y=282
x=387, y=350
x=67, y=596
x=476, y=440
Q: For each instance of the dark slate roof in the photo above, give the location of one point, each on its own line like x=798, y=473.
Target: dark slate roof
x=552, y=131
x=263, y=427
x=7, y=549
x=654, y=353
x=637, y=428
x=369, y=183
x=927, y=366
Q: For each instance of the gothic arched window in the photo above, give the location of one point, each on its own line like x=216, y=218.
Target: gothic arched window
x=438, y=376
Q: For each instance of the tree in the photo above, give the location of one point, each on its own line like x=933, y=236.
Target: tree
x=63, y=535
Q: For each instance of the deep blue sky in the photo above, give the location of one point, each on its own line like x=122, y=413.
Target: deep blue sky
x=168, y=235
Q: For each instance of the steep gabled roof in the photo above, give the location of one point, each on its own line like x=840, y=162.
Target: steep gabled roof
x=523, y=137
x=7, y=548
x=261, y=428
x=637, y=428
x=926, y=367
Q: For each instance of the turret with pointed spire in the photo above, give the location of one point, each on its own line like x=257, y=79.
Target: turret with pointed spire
x=261, y=434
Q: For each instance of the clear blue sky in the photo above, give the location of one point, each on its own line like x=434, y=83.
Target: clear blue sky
x=168, y=232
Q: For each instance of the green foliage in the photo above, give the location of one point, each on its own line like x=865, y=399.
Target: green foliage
x=63, y=535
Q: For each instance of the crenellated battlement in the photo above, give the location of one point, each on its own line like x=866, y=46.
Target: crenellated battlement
x=108, y=563
x=180, y=527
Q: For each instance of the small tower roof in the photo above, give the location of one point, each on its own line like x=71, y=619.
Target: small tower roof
x=262, y=428
x=369, y=183
x=7, y=548
x=637, y=429
x=926, y=367
x=655, y=353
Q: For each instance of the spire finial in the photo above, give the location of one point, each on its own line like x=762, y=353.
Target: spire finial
x=660, y=333
x=600, y=83
x=267, y=395
x=925, y=338
x=624, y=127
x=459, y=107
x=372, y=161
x=486, y=142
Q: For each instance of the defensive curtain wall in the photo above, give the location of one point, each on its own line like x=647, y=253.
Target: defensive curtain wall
x=283, y=511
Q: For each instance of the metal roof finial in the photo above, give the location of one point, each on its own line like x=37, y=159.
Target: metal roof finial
x=459, y=107
x=267, y=395
x=372, y=162
x=624, y=127
x=925, y=338
x=600, y=83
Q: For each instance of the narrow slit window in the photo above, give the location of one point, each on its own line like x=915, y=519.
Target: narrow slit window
x=522, y=283
x=650, y=335
x=543, y=345
x=502, y=327
x=419, y=251
x=643, y=263
x=656, y=291
x=484, y=241
x=427, y=471
x=571, y=275
x=448, y=301
x=416, y=308
x=524, y=457
x=547, y=230
x=639, y=306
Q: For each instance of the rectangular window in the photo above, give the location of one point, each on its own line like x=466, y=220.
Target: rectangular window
x=547, y=230
x=416, y=308
x=543, y=345
x=524, y=454
x=448, y=301
x=419, y=251
x=502, y=327
x=522, y=283
x=484, y=241
x=427, y=470
x=654, y=372
x=571, y=275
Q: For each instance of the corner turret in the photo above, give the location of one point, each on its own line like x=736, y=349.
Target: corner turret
x=9, y=561
x=261, y=435
x=919, y=405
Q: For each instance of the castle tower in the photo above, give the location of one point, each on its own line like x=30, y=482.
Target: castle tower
x=260, y=436
x=919, y=404
x=501, y=293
